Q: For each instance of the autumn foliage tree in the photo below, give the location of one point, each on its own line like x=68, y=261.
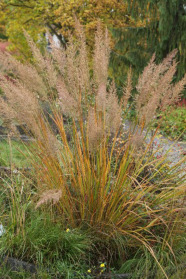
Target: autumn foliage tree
x=58, y=16
x=2, y=26
x=30, y=15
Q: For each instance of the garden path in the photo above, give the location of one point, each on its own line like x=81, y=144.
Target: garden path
x=176, y=150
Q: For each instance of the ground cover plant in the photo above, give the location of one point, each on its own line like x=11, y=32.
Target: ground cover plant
x=37, y=237
x=173, y=123
x=13, y=154
x=88, y=175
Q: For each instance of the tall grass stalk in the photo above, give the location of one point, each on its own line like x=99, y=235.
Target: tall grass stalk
x=92, y=175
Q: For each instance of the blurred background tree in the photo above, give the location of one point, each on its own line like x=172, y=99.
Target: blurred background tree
x=164, y=30
x=2, y=26
x=28, y=14
x=138, y=28
x=58, y=16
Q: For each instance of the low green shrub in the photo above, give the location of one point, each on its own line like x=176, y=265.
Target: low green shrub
x=173, y=123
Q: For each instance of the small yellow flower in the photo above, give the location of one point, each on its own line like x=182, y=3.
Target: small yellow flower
x=89, y=270
x=102, y=265
x=67, y=230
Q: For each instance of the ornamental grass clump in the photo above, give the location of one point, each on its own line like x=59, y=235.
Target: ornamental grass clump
x=90, y=173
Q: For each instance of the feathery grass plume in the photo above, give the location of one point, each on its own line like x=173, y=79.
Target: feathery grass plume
x=112, y=193
x=69, y=104
x=107, y=113
x=8, y=116
x=23, y=72
x=84, y=76
x=173, y=94
x=75, y=82
x=50, y=195
x=23, y=103
x=127, y=90
x=101, y=56
x=136, y=141
x=101, y=96
x=112, y=111
x=155, y=88
x=22, y=106
x=5, y=111
x=44, y=65
x=95, y=129
x=59, y=56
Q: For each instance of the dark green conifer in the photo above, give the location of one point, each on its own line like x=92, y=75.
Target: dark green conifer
x=165, y=30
